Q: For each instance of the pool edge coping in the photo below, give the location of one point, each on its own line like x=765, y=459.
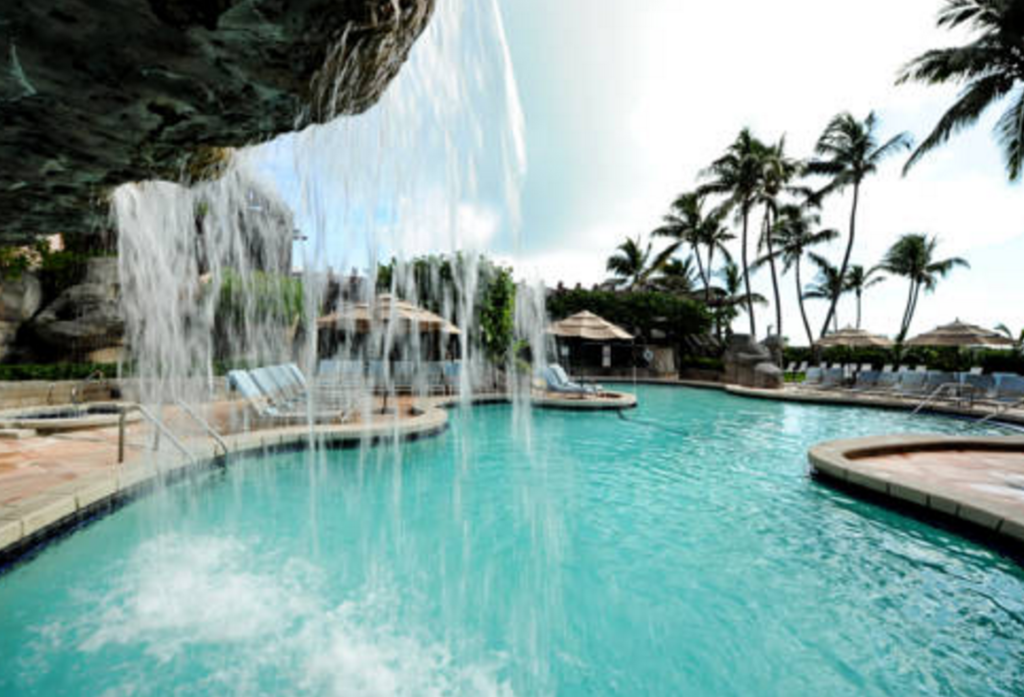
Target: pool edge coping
x=845, y=463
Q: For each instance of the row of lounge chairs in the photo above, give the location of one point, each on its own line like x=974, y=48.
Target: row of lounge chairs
x=974, y=385
x=280, y=393
x=402, y=377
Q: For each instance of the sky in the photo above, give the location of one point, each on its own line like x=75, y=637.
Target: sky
x=625, y=103
x=546, y=133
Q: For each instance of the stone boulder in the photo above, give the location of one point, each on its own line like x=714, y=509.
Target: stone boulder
x=19, y=300
x=83, y=319
x=750, y=364
x=94, y=94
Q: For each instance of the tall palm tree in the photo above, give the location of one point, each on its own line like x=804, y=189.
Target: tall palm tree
x=734, y=300
x=913, y=257
x=848, y=151
x=795, y=233
x=737, y=175
x=829, y=285
x=859, y=280
x=989, y=67
x=677, y=276
x=688, y=223
x=777, y=171
x=632, y=266
x=683, y=223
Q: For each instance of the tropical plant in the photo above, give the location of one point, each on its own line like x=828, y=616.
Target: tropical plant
x=989, y=67
x=848, y=151
x=795, y=233
x=858, y=280
x=829, y=285
x=676, y=276
x=1017, y=339
x=687, y=223
x=913, y=258
x=737, y=175
x=632, y=266
x=641, y=312
x=734, y=300
x=777, y=171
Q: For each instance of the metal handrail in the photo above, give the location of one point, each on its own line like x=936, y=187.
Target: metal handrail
x=204, y=423
x=1000, y=411
x=157, y=424
x=952, y=386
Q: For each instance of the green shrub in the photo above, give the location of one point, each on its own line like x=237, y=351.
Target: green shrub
x=641, y=312
x=55, y=371
x=701, y=363
x=949, y=359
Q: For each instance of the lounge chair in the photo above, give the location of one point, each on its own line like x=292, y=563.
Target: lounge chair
x=802, y=368
x=867, y=380
x=791, y=368
x=268, y=409
x=1009, y=388
x=920, y=368
x=912, y=383
x=887, y=368
x=557, y=381
x=833, y=378
x=812, y=377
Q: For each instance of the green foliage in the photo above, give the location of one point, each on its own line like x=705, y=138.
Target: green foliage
x=14, y=261
x=263, y=297
x=55, y=371
x=949, y=359
x=701, y=363
x=440, y=282
x=497, y=321
x=638, y=312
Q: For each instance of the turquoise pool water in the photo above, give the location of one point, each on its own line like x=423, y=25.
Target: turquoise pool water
x=682, y=551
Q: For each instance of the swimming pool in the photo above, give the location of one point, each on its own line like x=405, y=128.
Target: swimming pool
x=677, y=549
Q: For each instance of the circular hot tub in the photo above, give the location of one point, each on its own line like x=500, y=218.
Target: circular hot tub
x=65, y=417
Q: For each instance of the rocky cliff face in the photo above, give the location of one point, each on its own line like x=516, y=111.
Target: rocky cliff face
x=94, y=93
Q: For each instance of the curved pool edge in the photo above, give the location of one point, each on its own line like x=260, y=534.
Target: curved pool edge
x=963, y=501
x=29, y=525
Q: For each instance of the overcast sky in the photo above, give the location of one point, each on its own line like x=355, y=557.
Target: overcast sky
x=625, y=103
x=617, y=107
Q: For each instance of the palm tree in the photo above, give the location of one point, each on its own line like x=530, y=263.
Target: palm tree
x=676, y=276
x=777, y=172
x=737, y=175
x=688, y=223
x=734, y=299
x=913, y=257
x=631, y=265
x=858, y=280
x=682, y=224
x=795, y=233
x=848, y=151
x=1017, y=339
x=829, y=285
x=989, y=67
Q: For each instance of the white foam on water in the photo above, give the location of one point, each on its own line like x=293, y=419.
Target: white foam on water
x=248, y=618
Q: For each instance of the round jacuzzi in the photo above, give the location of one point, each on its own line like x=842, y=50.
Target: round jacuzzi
x=65, y=417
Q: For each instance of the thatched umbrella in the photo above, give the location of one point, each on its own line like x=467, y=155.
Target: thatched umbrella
x=587, y=325
x=855, y=338
x=387, y=310
x=961, y=334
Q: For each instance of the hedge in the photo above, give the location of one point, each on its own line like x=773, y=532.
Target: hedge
x=55, y=371
x=949, y=359
x=640, y=312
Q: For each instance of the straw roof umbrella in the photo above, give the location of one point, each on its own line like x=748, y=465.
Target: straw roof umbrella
x=855, y=338
x=387, y=309
x=587, y=325
x=961, y=334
